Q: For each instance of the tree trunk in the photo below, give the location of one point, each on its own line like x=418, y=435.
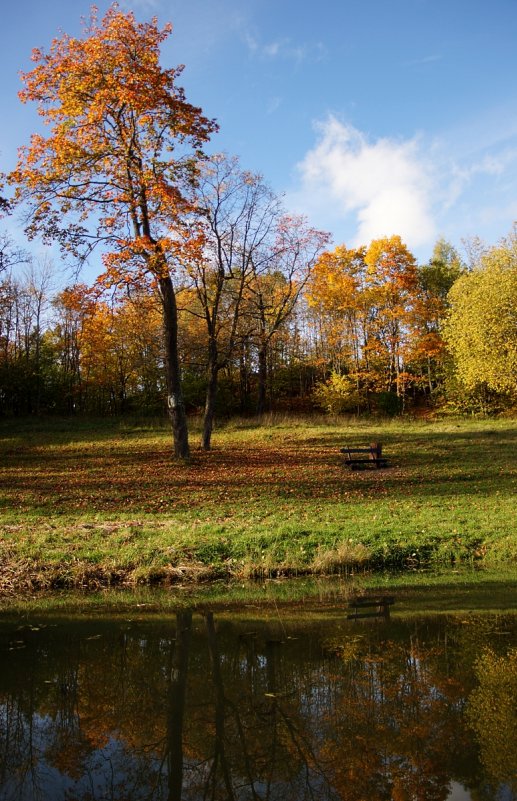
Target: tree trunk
x=262, y=380
x=220, y=757
x=244, y=376
x=176, y=705
x=175, y=403
x=211, y=395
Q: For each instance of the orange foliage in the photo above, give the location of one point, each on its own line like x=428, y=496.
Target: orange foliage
x=115, y=119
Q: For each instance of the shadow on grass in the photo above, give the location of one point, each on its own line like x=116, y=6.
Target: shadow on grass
x=128, y=474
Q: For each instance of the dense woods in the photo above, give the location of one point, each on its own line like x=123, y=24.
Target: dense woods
x=360, y=331
x=213, y=298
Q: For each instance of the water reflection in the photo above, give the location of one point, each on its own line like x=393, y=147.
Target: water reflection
x=233, y=709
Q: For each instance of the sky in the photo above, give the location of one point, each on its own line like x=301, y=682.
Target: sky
x=371, y=117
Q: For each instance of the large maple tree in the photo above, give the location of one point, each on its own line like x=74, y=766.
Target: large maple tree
x=117, y=163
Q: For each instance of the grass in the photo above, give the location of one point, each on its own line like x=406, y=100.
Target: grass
x=94, y=504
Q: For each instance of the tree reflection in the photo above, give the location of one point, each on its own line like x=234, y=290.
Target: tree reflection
x=204, y=710
x=492, y=713
x=395, y=728
x=176, y=706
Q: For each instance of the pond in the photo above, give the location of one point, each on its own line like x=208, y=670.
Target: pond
x=220, y=705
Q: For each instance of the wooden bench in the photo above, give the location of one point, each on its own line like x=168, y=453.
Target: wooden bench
x=380, y=604
x=367, y=456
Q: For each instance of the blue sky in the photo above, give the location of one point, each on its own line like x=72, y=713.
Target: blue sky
x=374, y=117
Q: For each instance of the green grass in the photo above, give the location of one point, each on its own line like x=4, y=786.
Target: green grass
x=99, y=503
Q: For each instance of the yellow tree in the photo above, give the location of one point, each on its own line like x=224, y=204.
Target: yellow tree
x=391, y=283
x=481, y=328
x=137, y=326
x=121, y=154
x=98, y=363
x=110, y=354
x=363, y=301
x=72, y=306
x=338, y=315
x=334, y=294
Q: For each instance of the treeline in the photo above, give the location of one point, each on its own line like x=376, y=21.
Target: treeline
x=364, y=330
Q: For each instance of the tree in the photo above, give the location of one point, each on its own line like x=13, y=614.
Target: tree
x=10, y=254
x=122, y=153
x=241, y=214
x=24, y=362
x=391, y=282
x=108, y=356
x=337, y=301
x=481, y=327
x=367, y=296
x=72, y=307
x=334, y=294
x=435, y=279
x=255, y=262
x=280, y=275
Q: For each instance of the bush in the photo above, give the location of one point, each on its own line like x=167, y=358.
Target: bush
x=338, y=394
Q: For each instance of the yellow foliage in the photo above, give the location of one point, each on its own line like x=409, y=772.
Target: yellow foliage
x=481, y=329
x=492, y=713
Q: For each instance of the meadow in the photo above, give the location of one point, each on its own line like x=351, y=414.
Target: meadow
x=93, y=504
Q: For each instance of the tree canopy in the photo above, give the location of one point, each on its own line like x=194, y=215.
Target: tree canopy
x=481, y=327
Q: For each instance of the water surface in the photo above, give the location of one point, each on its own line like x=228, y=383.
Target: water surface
x=211, y=706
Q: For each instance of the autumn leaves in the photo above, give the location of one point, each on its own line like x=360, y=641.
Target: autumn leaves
x=379, y=324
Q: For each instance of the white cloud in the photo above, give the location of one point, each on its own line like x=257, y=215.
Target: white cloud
x=431, y=59
x=462, y=176
x=272, y=49
x=377, y=188
x=274, y=103
x=285, y=49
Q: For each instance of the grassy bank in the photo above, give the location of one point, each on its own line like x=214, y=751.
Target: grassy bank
x=97, y=504
x=464, y=590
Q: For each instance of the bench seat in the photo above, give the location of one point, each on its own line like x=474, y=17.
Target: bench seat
x=372, y=455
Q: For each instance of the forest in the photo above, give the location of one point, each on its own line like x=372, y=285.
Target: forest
x=364, y=330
